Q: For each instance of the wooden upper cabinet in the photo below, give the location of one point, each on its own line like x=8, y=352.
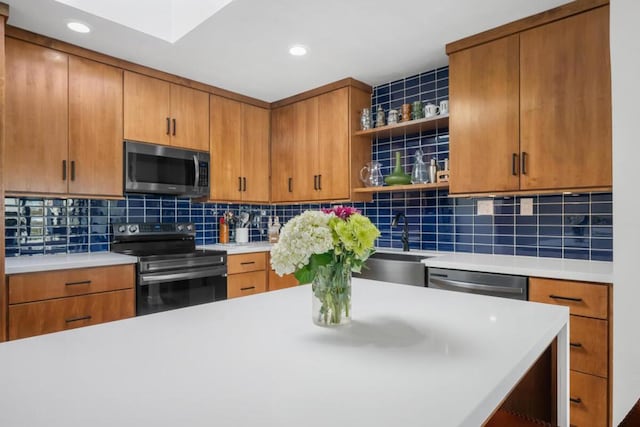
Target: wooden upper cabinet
x=532, y=111
x=165, y=113
x=239, y=151
x=147, y=112
x=484, y=118
x=36, y=119
x=333, y=145
x=282, y=154
x=95, y=128
x=565, y=86
x=255, y=155
x=314, y=154
x=226, y=149
x=189, y=118
x=305, y=149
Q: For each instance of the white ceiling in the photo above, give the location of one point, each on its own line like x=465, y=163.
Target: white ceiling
x=244, y=46
x=168, y=20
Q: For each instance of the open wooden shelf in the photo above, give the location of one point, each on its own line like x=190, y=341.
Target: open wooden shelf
x=412, y=126
x=408, y=187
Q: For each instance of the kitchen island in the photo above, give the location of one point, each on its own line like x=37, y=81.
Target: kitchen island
x=411, y=357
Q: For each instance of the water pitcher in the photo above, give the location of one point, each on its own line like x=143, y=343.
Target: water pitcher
x=371, y=175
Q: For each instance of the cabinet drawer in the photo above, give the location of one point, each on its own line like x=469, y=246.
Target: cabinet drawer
x=589, y=340
x=583, y=299
x=43, y=317
x=281, y=282
x=588, y=404
x=243, y=263
x=239, y=285
x=65, y=283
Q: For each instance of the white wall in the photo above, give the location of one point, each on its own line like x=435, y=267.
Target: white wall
x=625, y=76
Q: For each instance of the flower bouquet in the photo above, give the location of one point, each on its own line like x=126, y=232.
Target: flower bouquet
x=323, y=248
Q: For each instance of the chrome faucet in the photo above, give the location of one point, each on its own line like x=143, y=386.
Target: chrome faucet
x=405, y=230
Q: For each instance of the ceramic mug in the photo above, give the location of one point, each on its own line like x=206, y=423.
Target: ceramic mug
x=393, y=117
x=406, y=112
x=431, y=110
x=417, y=110
x=444, y=106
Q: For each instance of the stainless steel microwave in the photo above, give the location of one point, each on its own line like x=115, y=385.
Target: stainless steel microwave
x=151, y=168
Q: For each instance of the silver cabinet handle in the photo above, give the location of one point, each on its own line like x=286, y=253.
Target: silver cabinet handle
x=475, y=286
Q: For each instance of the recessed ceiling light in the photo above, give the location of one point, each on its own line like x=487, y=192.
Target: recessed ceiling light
x=298, y=50
x=78, y=27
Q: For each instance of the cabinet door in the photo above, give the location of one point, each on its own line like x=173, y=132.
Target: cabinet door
x=146, y=109
x=189, y=118
x=566, y=103
x=333, y=145
x=95, y=128
x=36, y=119
x=226, y=149
x=239, y=285
x=282, y=154
x=43, y=317
x=255, y=153
x=484, y=120
x=281, y=282
x=305, y=146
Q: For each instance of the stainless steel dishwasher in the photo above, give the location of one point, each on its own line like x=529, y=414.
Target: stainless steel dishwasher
x=473, y=282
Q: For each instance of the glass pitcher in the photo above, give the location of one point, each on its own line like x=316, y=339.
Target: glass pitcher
x=371, y=175
x=419, y=173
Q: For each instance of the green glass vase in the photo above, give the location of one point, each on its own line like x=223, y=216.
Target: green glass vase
x=398, y=177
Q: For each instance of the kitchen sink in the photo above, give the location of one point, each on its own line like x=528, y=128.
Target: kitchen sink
x=407, y=257
x=404, y=268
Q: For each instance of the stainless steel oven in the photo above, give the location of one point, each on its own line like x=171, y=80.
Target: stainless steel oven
x=176, y=281
x=171, y=272
x=150, y=168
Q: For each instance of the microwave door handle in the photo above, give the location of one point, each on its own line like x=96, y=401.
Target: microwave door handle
x=196, y=178
x=474, y=286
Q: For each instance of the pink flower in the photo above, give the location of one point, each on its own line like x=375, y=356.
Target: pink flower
x=342, y=212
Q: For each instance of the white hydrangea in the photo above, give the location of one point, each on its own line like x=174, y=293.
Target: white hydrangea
x=301, y=237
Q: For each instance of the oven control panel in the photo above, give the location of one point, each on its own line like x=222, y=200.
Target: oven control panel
x=148, y=228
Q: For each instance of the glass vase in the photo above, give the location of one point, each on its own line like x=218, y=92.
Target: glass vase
x=332, y=295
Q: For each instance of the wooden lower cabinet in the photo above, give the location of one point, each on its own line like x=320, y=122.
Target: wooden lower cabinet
x=244, y=263
x=252, y=273
x=37, y=318
x=239, y=285
x=281, y=282
x=589, y=339
x=588, y=394
x=46, y=285
x=589, y=345
x=247, y=274
x=52, y=301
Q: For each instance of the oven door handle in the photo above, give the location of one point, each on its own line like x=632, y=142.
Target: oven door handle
x=475, y=286
x=147, y=279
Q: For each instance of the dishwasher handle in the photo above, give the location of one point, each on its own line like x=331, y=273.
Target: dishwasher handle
x=475, y=286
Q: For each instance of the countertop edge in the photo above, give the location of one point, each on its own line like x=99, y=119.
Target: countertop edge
x=38, y=264
x=523, y=270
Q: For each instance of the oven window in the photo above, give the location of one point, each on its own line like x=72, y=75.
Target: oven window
x=161, y=170
x=156, y=297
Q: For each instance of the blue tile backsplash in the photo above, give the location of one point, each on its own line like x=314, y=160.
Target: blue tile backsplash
x=562, y=226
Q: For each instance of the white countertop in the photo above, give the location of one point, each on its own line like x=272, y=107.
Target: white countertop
x=36, y=263
x=239, y=248
x=554, y=268
x=411, y=357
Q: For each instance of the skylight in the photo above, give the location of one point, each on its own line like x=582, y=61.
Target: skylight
x=169, y=20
